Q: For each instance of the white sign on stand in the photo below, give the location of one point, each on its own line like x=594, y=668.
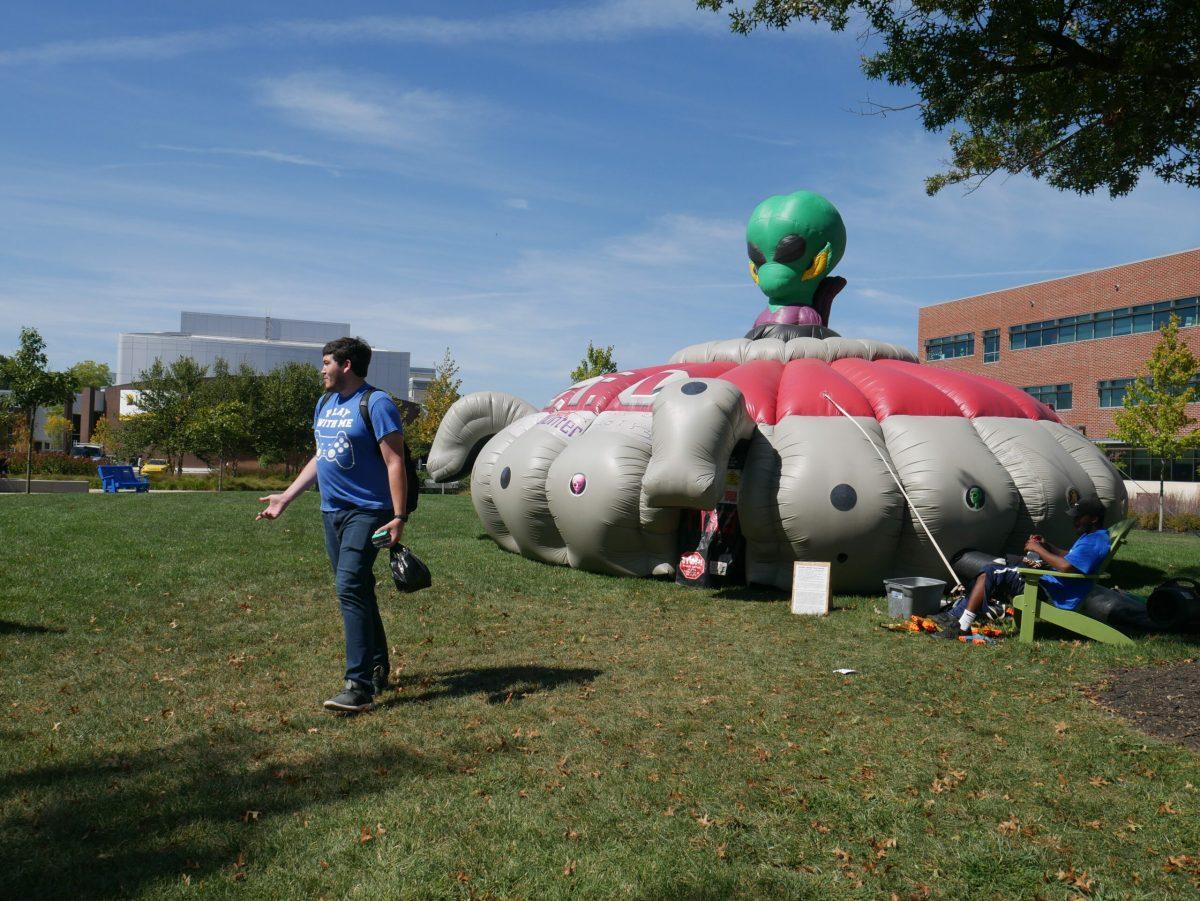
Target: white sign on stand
x=810, y=588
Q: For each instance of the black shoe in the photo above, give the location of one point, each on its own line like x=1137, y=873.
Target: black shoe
x=379, y=678
x=952, y=630
x=944, y=618
x=353, y=699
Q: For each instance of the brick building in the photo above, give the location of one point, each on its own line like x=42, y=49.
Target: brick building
x=1075, y=343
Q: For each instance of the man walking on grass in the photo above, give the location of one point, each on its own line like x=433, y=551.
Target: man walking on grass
x=359, y=465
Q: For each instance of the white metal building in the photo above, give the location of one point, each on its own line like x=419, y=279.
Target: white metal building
x=264, y=343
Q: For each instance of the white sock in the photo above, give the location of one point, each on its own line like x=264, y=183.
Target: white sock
x=965, y=621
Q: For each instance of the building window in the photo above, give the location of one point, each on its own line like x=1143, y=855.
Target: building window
x=1056, y=397
x=1148, y=317
x=991, y=345
x=1112, y=392
x=1137, y=463
x=950, y=347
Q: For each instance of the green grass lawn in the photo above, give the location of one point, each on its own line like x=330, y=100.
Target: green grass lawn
x=556, y=733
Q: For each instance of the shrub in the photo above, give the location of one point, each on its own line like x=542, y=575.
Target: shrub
x=52, y=464
x=1180, y=513
x=1181, y=522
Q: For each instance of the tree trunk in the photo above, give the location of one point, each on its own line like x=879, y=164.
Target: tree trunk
x=29, y=453
x=1162, y=474
x=220, y=472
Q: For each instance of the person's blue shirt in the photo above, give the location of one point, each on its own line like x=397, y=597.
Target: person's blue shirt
x=350, y=467
x=1086, y=555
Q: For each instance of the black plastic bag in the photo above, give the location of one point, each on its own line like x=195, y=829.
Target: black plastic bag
x=408, y=572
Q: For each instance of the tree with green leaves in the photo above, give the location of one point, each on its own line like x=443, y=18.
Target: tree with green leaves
x=33, y=386
x=1155, y=412
x=57, y=428
x=439, y=397
x=597, y=361
x=1085, y=94
x=217, y=432
x=169, y=399
x=90, y=374
x=282, y=416
x=226, y=386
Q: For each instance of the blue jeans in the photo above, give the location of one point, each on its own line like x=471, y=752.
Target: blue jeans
x=1000, y=585
x=348, y=543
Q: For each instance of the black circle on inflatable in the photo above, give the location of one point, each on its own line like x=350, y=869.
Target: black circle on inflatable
x=842, y=558
x=505, y=475
x=694, y=388
x=974, y=497
x=843, y=497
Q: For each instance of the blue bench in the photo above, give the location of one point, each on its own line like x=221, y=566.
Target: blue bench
x=114, y=478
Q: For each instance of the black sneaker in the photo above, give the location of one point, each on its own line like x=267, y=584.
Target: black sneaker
x=353, y=699
x=944, y=618
x=379, y=678
x=951, y=631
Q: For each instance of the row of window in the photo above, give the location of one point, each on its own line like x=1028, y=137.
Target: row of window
x=1111, y=393
x=950, y=347
x=1056, y=397
x=1148, y=317
x=1137, y=463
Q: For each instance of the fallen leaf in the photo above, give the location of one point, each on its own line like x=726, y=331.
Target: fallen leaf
x=569, y=869
x=1080, y=880
x=1165, y=809
x=1009, y=827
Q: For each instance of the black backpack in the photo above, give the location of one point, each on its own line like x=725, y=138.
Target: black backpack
x=410, y=465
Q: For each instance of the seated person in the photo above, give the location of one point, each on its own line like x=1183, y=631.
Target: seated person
x=1000, y=584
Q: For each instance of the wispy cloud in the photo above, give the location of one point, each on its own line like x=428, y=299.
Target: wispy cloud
x=607, y=21
x=274, y=156
x=365, y=109
x=678, y=238
x=517, y=203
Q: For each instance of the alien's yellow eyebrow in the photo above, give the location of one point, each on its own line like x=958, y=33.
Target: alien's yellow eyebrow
x=819, y=264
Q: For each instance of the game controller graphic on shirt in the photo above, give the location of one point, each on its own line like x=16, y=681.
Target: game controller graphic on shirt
x=335, y=449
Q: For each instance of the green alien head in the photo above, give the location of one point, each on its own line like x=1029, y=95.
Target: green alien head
x=794, y=241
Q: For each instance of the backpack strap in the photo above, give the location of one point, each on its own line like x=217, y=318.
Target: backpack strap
x=410, y=465
x=364, y=404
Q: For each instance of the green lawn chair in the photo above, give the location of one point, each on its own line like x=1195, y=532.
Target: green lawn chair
x=1034, y=609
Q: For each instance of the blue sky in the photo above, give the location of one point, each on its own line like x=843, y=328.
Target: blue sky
x=508, y=180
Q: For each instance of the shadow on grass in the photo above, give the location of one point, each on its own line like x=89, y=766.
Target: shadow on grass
x=113, y=825
x=1130, y=572
x=10, y=628
x=752, y=593
x=501, y=684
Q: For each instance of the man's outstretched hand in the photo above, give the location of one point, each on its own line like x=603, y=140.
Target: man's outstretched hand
x=276, y=504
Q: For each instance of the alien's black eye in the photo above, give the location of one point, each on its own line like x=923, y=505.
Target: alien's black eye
x=756, y=255
x=789, y=249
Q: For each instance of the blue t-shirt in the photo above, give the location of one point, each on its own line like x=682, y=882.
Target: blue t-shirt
x=1086, y=554
x=350, y=467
